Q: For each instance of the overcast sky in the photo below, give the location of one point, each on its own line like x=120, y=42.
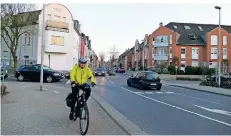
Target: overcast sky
x=122, y=24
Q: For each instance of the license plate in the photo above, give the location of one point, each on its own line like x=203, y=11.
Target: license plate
x=153, y=84
x=99, y=74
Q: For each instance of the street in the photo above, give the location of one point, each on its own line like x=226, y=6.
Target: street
x=170, y=111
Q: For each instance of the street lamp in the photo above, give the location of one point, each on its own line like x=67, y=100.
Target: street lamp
x=219, y=46
x=42, y=48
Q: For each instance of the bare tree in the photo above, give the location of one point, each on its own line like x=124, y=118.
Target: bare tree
x=102, y=58
x=113, y=54
x=15, y=19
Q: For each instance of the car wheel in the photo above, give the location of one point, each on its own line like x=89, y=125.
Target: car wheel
x=128, y=83
x=158, y=88
x=49, y=79
x=141, y=87
x=20, y=77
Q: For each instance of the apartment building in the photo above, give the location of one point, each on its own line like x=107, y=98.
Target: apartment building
x=192, y=44
x=62, y=38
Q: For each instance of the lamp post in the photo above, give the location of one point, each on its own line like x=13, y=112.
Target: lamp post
x=42, y=49
x=219, y=46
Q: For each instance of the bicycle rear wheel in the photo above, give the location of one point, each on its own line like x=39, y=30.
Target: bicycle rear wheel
x=84, y=119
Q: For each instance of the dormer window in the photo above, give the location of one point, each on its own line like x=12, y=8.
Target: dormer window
x=192, y=36
x=175, y=26
x=200, y=28
x=187, y=27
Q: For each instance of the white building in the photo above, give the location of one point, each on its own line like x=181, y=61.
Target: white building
x=60, y=38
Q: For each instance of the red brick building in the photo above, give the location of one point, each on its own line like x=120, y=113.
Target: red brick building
x=192, y=44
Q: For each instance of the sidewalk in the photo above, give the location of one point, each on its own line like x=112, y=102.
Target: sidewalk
x=198, y=87
x=28, y=111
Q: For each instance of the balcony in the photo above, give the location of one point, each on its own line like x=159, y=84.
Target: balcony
x=157, y=57
x=55, y=24
x=161, y=44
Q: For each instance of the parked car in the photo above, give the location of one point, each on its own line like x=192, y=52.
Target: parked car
x=120, y=70
x=4, y=73
x=99, y=72
x=145, y=79
x=32, y=72
x=224, y=77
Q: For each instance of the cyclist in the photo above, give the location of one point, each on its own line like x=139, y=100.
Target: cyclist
x=79, y=76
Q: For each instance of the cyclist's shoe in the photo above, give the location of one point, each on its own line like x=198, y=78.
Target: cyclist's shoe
x=71, y=116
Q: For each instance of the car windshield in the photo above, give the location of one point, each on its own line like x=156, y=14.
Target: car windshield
x=47, y=68
x=99, y=69
x=152, y=75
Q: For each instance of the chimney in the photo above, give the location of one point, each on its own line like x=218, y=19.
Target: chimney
x=161, y=24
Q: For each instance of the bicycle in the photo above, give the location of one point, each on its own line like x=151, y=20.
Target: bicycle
x=81, y=101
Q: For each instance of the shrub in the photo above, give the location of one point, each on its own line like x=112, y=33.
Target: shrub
x=172, y=69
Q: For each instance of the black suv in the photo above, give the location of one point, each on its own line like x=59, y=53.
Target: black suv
x=32, y=72
x=145, y=79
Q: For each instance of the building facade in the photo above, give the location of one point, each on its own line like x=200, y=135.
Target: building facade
x=183, y=44
x=63, y=42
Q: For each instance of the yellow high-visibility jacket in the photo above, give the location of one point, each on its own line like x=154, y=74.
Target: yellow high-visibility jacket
x=80, y=75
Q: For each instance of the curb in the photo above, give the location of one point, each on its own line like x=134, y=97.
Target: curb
x=201, y=90
x=119, y=118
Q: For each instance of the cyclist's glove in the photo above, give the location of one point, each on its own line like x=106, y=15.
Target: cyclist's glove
x=93, y=84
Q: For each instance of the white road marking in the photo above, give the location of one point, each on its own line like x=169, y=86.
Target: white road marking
x=111, y=82
x=169, y=92
x=215, y=110
x=188, y=111
x=45, y=89
x=55, y=92
x=149, y=92
x=138, y=92
x=163, y=90
x=159, y=92
x=197, y=98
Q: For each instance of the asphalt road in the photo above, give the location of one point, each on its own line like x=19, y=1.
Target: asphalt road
x=172, y=111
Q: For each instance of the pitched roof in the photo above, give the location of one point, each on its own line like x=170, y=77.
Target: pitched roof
x=198, y=30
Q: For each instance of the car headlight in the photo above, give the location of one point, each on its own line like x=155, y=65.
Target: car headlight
x=56, y=74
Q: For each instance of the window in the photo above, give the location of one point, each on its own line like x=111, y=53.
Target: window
x=5, y=48
x=200, y=28
x=27, y=39
x=195, y=63
x=224, y=40
x=187, y=27
x=57, y=40
x=170, y=52
x=162, y=39
x=183, y=52
x=175, y=26
x=213, y=39
x=170, y=38
x=26, y=60
x=64, y=19
x=49, y=17
x=214, y=53
x=195, y=53
x=192, y=36
x=224, y=53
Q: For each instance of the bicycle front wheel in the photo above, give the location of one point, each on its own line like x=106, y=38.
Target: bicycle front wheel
x=84, y=119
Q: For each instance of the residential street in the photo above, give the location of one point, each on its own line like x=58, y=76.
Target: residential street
x=173, y=110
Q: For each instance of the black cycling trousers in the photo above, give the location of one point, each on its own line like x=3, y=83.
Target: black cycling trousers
x=75, y=91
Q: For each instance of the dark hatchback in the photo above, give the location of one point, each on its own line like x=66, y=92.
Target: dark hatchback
x=32, y=72
x=145, y=79
x=99, y=72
